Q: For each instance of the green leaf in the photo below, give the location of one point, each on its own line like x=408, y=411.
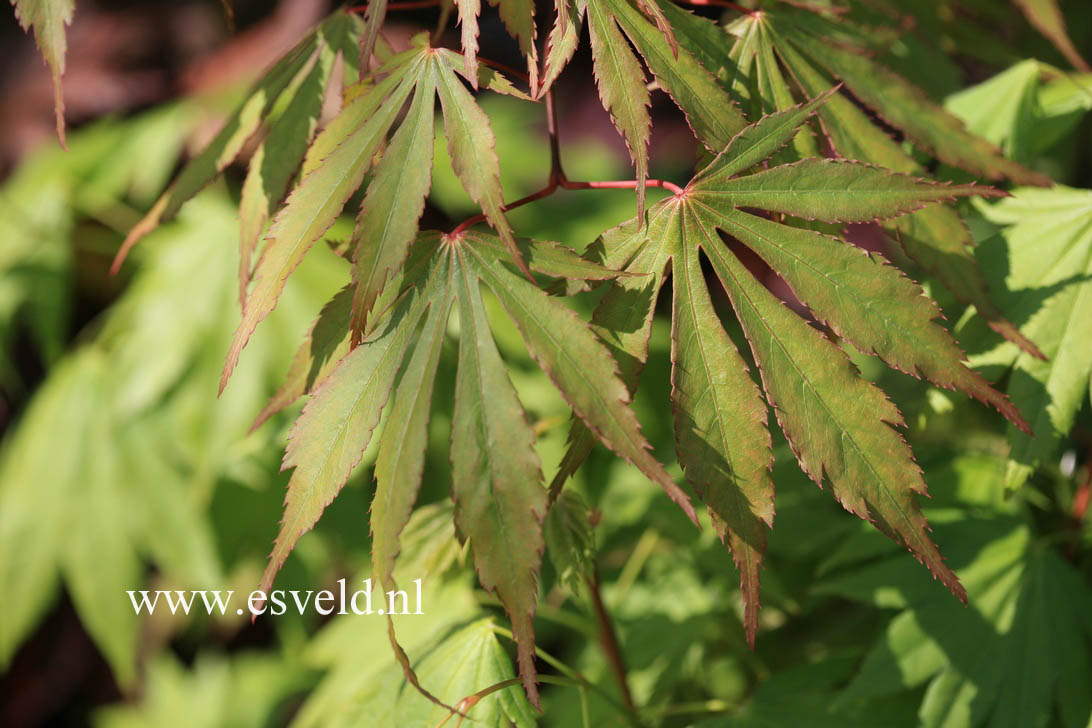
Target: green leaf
x=581, y=368
x=473, y=150
x=935, y=238
x=36, y=484
x=720, y=422
x=1048, y=19
x=1016, y=657
x=401, y=459
x=394, y=203
x=276, y=161
x=909, y=109
x=1046, y=238
x=840, y=425
x=333, y=432
x=48, y=18
x=310, y=211
x=497, y=479
x=570, y=543
x=466, y=662
x=866, y=301
x=834, y=190
x=622, y=90
x=708, y=108
x=227, y=144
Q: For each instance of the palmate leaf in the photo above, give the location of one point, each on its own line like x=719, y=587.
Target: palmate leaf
x=48, y=18
x=1045, y=237
x=1019, y=656
x=841, y=427
x=245, y=122
x=500, y=503
x=783, y=45
x=395, y=197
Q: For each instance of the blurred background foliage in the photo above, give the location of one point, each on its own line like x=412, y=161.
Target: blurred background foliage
x=120, y=469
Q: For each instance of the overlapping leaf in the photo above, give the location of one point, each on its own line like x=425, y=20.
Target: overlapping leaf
x=500, y=503
x=841, y=427
x=784, y=52
x=395, y=197
x=707, y=106
x=1044, y=238
x=287, y=76
x=1018, y=655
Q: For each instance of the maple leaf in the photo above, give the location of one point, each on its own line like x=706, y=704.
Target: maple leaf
x=1003, y=661
x=289, y=76
x=335, y=166
x=782, y=52
x=497, y=488
x=1044, y=238
x=841, y=427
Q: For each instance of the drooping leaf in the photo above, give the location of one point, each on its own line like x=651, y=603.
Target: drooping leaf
x=936, y=237
x=394, y=203
x=840, y=426
x=518, y=17
x=472, y=146
x=497, y=479
x=275, y=162
x=401, y=459
x=708, y=107
x=227, y=144
x=720, y=422
x=581, y=369
x=562, y=41
x=311, y=210
x=48, y=18
x=469, y=10
x=330, y=437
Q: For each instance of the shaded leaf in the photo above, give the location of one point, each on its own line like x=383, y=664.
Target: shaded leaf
x=1048, y=19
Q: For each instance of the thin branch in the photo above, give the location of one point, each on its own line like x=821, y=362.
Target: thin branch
x=506, y=69
x=608, y=640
